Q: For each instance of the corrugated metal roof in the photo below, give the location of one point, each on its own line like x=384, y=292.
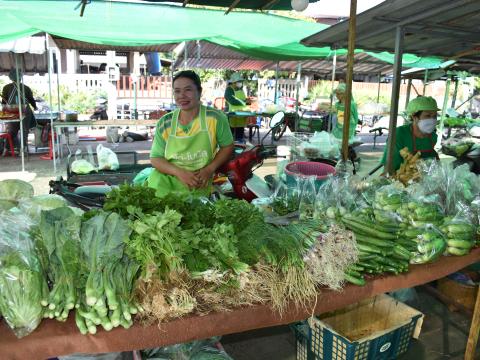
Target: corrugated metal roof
x=445, y=28
x=203, y=54
x=64, y=43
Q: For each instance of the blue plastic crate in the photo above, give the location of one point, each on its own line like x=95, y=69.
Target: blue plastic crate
x=319, y=341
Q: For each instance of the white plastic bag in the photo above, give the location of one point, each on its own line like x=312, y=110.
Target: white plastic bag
x=107, y=159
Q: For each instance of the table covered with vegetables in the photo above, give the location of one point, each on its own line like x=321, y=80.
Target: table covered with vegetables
x=147, y=271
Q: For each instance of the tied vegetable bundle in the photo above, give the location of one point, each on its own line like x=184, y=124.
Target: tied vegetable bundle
x=22, y=282
x=460, y=236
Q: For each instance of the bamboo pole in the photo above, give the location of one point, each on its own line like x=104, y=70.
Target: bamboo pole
x=334, y=69
x=350, y=58
x=474, y=331
x=397, y=69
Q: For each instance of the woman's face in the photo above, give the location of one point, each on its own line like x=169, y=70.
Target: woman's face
x=426, y=121
x=186, y=94
x=340, y=96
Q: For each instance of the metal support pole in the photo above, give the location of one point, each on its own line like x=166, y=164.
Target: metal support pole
x=52, y=129
x=409, y=89
x=185, y=55
x=397, y=69
x=444, y=111
x=275, y=99
x=171, y=80
x=297, y=94
x=454, y=96
x=334, y=69
x=20, y=111
x=379, y=85
x=348, y=95
x=425, y=80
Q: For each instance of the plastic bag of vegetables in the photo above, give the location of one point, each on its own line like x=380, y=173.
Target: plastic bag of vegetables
x=335, y=198
x=307, y=198
x=460, y=232
x=12, y=190
x=422, y=210
x=22, y=281
x=429, y=242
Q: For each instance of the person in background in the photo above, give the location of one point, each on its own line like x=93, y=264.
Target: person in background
x=10, y=97
x=190, y=143
x=419, y=135
x=340, y=111
x=236, y=100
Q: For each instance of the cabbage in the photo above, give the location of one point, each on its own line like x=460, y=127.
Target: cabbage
x=15, y=190
x=6, y=205
x=34, y=206
x=82, y=167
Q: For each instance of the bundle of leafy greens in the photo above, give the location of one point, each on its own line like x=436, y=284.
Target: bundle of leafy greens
x=22, y=281
x=57, y=240
x=106, y=297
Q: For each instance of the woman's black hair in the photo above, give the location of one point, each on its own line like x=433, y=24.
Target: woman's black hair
x=189, y=74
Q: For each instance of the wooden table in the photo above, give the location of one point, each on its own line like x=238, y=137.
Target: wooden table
x=53, y=338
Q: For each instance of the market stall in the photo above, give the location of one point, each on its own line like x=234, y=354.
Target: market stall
x=55, y=339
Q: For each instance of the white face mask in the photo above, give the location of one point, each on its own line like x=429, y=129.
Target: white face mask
x=239, y=85
x=427, y=126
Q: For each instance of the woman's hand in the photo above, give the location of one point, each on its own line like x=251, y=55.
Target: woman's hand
x=204, y=175
x=189, y=178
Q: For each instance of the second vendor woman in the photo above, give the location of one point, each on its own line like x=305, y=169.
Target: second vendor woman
x=419, y=135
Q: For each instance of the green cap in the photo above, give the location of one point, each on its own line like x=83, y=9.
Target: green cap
x=341, y=88
x=422, y=103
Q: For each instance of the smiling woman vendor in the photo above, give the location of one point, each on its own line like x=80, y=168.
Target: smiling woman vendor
x=419, y=135
x=190, y=143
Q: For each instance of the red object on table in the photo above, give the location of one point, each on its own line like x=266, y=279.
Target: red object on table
x=9, y=139
x=49, y=156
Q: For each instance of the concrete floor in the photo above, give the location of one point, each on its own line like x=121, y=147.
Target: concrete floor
x=443, y=335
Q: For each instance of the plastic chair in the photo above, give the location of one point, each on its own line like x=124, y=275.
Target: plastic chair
x=253, y=128
x=8, y=138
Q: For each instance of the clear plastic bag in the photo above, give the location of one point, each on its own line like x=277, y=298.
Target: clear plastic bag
x=388, y=203
x=334, y=199
x=22, y=282
x=430, y=245
x=307, y=198
x=82, y=167
x=422, y=210
x=459, y=231
x=195, y=350
x=107, y=159
x=34, y=206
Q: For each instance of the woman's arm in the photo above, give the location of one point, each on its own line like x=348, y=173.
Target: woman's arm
x=220, y=158
x=162, y=165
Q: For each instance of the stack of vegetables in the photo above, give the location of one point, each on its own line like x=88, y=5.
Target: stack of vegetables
x=460, y=236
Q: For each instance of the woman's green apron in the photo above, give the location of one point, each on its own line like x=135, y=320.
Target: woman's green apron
x=238, y=121
x=187, y=152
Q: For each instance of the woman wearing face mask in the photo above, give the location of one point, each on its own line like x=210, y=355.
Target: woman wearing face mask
x=419, y=135
x=236, y=101
x=190, y=143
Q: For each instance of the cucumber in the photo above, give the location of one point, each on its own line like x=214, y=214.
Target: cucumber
x=459, y=228
x=401, y=252
x=368, y=230
x=412, y=233
x=369, y=249
x=457, y=252
x=461, y=244
x=367, y=240
x=360, y=281
x=463, y=235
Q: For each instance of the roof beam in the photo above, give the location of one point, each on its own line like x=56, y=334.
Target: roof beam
x=234, y=3
x=422, y=30
x=269, y=4
x=412, y=19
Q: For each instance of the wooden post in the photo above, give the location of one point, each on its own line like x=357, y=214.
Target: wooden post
x=348, y=95
x=474, y=330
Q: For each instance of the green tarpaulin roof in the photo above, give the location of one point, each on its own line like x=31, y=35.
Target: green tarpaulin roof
x=259, y=35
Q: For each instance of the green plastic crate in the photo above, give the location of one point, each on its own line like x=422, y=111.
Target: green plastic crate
x=319, y=340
